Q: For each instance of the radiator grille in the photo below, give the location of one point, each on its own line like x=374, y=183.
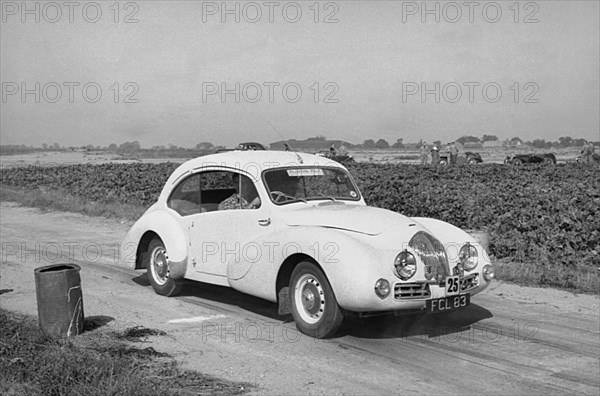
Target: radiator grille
x=411, y=290
x=469, y=282
x=432, y=254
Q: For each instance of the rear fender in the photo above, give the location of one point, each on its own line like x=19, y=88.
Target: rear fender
x=159, y=224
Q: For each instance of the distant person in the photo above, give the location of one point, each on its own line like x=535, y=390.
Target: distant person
x=435, y=155
x=453, y=153
x=587, y=153
x=332, y=150
x=424, y=154
x=591, y=150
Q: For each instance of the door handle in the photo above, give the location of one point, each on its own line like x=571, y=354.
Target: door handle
x=264, y=222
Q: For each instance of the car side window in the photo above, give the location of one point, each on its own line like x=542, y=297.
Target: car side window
x=244, y=194
x=213, y=190
x=185, y=198
x=215, y=187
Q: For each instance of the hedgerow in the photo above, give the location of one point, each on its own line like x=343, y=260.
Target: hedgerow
x=541, y=214
x=546, y=215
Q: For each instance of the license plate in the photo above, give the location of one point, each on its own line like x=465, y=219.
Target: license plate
x=447, y=303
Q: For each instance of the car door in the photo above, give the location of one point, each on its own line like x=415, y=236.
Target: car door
x=226, y=243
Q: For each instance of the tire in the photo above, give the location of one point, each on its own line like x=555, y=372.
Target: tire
x=549, y=160
x=443, y=162
x=157, y=266
x=318, y=318
x=472, y=161
x=517, y=161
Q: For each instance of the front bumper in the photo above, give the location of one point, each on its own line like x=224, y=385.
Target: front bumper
x=412, y=296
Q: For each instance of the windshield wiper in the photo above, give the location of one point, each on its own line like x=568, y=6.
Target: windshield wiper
x=328, y=197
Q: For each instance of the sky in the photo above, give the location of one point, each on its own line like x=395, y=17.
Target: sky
x=184, y=72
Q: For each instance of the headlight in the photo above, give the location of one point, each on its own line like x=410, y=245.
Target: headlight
x=488, y=273
x=468, y=257
x=406, y=265
x=382, y=288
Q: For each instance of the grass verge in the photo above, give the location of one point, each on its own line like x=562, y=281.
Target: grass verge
x=60, y=200
x=581, y=279
x=33, y=363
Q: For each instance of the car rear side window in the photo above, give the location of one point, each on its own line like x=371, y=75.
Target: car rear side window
x=206, y=191
x=185, y=198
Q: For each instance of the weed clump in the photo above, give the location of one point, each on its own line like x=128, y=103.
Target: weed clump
x=33, y=363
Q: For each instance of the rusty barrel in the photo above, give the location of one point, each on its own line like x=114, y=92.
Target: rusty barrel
x=59, y=299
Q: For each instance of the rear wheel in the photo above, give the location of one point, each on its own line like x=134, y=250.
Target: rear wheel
x=157, y=266
x=472, y=161
x=314, y=306
x=517, y=161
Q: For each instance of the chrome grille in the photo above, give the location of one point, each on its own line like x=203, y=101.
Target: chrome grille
x=432, y=254
x=411, y=290
x=469, y=282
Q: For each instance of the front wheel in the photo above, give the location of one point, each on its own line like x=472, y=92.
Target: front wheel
x=314, y=306
x=157, y=266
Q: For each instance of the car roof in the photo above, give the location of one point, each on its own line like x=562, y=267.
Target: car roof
x=252, y=162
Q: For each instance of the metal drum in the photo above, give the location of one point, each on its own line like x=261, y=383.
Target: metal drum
x=59, y=299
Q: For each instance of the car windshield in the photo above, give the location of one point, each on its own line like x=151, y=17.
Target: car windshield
x=302, y=184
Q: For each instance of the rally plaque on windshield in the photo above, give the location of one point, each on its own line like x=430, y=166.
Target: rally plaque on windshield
x=305, y=172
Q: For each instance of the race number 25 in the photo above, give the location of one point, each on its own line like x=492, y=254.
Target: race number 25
x=452, y=285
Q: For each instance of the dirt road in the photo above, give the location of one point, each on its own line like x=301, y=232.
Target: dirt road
x=511, y=340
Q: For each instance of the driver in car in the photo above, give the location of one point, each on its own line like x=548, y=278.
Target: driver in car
x=245, y=196
x=291, y=187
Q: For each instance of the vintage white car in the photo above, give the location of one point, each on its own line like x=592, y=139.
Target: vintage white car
x=293, y=228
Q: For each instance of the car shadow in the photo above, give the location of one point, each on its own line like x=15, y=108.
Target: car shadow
x=229, y=296
x=141, y=280
x=414, y=325
x=374, y=327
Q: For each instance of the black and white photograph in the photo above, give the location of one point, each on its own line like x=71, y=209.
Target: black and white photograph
x=310, y=197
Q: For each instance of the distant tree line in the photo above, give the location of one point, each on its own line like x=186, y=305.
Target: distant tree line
x=205, y=147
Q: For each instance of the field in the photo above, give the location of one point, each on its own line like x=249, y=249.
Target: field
x=407, y=156
x=543, y=221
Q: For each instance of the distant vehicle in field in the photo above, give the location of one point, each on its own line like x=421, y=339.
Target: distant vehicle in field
x=518, y=159
x=245, y=147
x=465, y=158
x=251, y=146
x=595, y=158
x=342, y=158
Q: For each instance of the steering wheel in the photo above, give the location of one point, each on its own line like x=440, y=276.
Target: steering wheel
x=279, y=196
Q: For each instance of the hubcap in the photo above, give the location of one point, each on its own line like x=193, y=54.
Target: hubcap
x=309, y=297
x=159, y=265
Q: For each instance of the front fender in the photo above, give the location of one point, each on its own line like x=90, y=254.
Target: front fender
x=346, y=259
x=452, y=237
x=168, y=229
